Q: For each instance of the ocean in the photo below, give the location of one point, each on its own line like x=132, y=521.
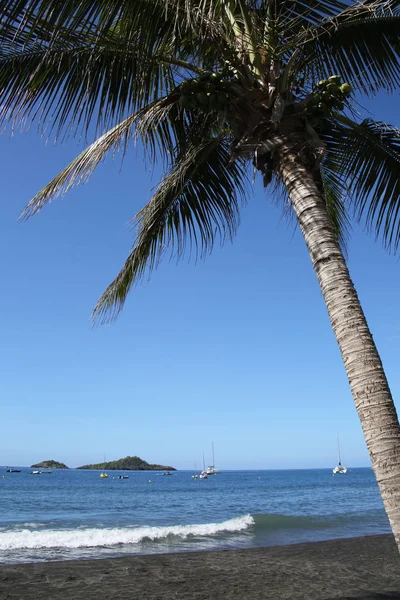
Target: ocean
x=72, y=515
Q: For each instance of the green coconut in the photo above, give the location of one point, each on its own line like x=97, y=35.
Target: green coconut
x=322, y=83
x=334, y=79
x=322, y=109
x=215, y=76
x=202, y=98
x=316, y=99
x=185, y=87
x=346, y=89
x=213, y=101
x=332, y=88
x=185, y=101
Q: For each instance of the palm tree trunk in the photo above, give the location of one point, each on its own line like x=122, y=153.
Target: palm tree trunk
x=363, y=365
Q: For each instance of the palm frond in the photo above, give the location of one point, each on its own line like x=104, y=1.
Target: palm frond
x=80, y=169
x=361, y=44
x=68, y=85
x=304, y=13
x=163, y=128
x=368, y=163
x=195, y=203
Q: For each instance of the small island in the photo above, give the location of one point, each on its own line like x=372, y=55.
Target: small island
x=129, y=463
x=49, y=464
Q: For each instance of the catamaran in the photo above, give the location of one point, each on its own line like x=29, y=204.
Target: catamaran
x=339, y=468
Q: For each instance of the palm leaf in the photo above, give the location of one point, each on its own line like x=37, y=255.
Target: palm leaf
x=162, y=127
x=70, y=83
x=368, y=164
x=361, y=44
x=195, y=203
x=80, y=169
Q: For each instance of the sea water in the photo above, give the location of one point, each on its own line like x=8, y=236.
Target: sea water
x=71, y=514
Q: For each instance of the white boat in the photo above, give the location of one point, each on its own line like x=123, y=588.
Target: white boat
x=36, y=472
x=203, y=474
x=211, y=470
x=339, y=469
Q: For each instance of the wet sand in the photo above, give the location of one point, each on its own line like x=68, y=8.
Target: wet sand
x=359, y=568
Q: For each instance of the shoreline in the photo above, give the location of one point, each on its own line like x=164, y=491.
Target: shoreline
x=350, y=568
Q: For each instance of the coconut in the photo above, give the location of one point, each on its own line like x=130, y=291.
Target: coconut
x=322, y=109
x=212, y=101
x=322, y=83
x=202, y=98
x=346, y=89
x=185, y=101
x=185, y=87
x=332, y=88
x=334, y=79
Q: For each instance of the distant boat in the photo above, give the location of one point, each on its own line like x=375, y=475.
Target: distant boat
x=46, y=472
x=167, y=473
x=339, y=469
x=13, y=470
x=123, y=476
x=203, y=474
x=195, y=475
x=211, y=470
x=36, y=472
x=104, y=475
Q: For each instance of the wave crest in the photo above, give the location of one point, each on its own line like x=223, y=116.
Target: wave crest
x=95, y=537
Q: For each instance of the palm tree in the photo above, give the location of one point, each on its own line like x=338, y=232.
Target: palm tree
x=216, y=88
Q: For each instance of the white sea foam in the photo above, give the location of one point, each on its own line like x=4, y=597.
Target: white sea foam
x=90, y=538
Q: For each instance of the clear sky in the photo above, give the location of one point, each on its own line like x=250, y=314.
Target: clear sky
x=236, y=349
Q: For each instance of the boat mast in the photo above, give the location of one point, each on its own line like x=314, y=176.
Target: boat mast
x=213, y=463
x=338, y=446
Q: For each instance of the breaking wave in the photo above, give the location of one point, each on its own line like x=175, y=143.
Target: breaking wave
x=106, y=537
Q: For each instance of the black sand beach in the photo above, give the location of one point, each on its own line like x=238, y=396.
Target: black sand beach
x=358, y=568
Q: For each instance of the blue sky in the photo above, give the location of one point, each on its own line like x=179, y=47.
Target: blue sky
x=236, y=349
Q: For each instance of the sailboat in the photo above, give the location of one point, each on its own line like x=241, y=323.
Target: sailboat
x=339, y=468
x=104, y=475
x=211, y=470
x=203, y=474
